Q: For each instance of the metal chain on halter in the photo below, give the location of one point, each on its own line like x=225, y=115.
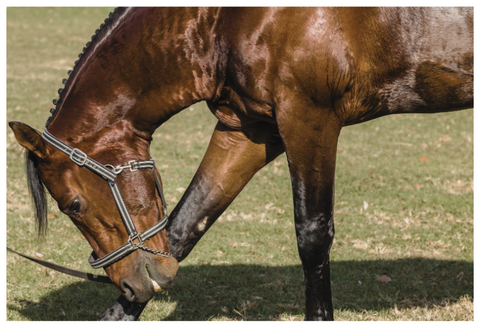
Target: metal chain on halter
x=156, y=252
x=141, y=244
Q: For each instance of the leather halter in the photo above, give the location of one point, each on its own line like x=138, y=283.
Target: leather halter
x=109, y=173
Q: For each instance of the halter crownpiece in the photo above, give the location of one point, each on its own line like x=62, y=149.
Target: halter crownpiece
x=109, y=173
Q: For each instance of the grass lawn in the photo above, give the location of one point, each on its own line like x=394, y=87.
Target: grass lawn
x=404, y=209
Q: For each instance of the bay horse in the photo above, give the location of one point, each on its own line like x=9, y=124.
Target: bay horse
x=277, y=79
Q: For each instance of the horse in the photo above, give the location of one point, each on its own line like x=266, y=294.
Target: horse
x=277, y=79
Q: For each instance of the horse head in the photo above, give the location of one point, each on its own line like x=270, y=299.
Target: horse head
x=87, y=199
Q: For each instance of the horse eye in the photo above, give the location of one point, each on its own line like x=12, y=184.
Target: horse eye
x=74, y=206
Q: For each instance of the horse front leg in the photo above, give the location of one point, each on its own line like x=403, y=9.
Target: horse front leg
x=123, y=310
x=310, y=139
x=231, y=160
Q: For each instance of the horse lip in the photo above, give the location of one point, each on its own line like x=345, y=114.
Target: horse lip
x=158, y=282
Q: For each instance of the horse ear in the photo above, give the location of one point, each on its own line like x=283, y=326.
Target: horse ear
x=29, y=138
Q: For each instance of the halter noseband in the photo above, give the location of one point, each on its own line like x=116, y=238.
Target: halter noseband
x=135, y=240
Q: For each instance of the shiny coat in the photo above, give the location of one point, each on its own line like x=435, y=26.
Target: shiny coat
x=278, y=80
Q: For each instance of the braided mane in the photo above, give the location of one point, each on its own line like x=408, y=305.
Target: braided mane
x=100, y=34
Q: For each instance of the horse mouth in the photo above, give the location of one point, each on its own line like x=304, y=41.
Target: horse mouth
x=160, y=284
x=158, y=280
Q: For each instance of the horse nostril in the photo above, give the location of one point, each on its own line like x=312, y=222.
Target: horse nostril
x=128, y=292
x=138, y=289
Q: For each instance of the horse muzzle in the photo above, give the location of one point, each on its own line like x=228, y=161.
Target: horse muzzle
x=148, y=275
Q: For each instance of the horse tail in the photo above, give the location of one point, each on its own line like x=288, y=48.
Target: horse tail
x=37, y=192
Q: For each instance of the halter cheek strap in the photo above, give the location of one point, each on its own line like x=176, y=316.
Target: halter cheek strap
x=109, y=173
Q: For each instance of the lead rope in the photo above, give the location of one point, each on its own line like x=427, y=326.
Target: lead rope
x=65, y=270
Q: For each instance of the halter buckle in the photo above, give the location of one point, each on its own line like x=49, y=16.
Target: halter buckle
x=131, y=163
x=81, y=158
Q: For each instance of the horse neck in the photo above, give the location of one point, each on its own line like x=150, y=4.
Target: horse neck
x=151, y=66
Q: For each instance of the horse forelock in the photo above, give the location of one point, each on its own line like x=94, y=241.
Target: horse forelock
x=37, y=191
x=101, y=34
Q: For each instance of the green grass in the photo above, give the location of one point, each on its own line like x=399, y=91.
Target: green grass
x=395, y=213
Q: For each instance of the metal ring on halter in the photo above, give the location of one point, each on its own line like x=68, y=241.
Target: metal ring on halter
x=132, y=238
x=116, y=170
x=133, y=165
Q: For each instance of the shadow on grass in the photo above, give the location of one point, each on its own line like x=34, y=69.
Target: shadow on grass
x=253, y=292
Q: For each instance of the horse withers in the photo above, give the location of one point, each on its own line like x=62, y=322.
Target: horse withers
x=278, y=80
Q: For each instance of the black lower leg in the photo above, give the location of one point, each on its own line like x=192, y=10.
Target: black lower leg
x=123, y=310
x=318, y=293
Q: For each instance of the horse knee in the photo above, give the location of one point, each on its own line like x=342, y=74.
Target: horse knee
x=315, y=238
